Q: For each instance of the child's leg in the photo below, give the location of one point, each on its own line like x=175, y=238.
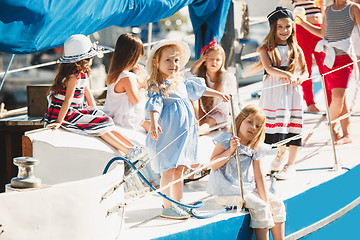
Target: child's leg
x=262, y=233
x=115, y=142
x=289, y=168
x=177, y=189
x=206, y=124
x=336, y=106
x=345, y=126
x=278, y=231
x=166, y=178
x=279, y=160
x=293, y=150
x=122, y=138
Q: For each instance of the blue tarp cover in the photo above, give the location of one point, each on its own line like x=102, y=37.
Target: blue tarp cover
x=28, y=26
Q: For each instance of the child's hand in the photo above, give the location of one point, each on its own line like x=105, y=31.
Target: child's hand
x=290, y=78
x=234, y=143
x=53, y=126
x=202, y=58
x=141, y=73
x=153, y=131
x=225, y=97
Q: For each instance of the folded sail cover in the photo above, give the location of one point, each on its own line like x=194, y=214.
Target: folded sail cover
x=28, y=26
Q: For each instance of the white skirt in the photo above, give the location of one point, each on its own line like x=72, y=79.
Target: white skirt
x=282, y=105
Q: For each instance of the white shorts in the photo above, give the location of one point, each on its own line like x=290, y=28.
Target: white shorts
x=260, y=213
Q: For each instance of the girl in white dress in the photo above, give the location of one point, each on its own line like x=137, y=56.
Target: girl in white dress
x=210, y=66
x=124, y=101
x=280, y=55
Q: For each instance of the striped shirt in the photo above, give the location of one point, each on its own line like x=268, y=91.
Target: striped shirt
x=339, y=25
x=310, y=7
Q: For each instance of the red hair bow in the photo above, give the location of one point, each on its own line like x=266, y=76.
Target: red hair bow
x=211, y=44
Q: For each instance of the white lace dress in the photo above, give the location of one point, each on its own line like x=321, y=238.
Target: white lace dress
x=119, y=107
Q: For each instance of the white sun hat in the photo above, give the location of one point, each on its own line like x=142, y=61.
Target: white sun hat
x=184, y=51
x=78, y=47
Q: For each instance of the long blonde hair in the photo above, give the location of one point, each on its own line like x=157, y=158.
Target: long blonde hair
x=156, y=80
x=294, y=55
x=208, y=101
x=260, y=116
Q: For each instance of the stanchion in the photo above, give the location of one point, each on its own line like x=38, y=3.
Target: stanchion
x=241, y=204
x=337, y=165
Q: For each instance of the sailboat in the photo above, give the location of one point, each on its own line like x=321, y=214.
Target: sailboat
x=77, y=201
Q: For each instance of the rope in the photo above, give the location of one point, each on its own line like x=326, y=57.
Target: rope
x=7, y=69
x=136, y=170
x=195, y=205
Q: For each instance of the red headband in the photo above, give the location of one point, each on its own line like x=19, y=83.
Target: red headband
x=211, y=44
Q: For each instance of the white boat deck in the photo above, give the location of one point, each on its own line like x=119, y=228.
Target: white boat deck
x=314, y=165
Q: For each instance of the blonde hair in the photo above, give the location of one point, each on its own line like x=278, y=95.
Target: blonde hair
x=260, y=117
x=294, y=55
x=208, y=101
x=155, y=82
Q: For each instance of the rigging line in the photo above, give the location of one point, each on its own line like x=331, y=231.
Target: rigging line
x=190, y=208
x=196, y=170
x=6, y=71
x=310, y=78
x=132, y=173
x=108, y=50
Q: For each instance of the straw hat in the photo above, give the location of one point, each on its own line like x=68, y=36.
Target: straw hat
x=78, y=47
x=184, y=51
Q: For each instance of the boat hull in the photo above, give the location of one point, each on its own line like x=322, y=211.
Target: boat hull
x=72, y=210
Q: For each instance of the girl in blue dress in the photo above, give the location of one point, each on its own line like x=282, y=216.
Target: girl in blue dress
x=172, y=139
x=266, y=210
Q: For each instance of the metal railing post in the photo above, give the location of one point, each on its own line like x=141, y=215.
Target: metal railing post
x=336, y=164
x=237, y=153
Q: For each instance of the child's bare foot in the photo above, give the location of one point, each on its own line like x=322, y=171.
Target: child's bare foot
x=337, y=136
x=343, y=140
x=312, y=108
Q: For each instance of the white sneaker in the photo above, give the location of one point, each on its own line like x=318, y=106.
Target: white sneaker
x=286, y=172
x=279, y=160
x=136, y=153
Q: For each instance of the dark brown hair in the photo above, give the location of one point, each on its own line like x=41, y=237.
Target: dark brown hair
x=128, y=49
x=64, y=70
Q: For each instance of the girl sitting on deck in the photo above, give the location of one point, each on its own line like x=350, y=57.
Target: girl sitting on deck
x=123, y=98
x=172, y=139
x=210, y=66
x=281, y=97
x=266, y=210
x=67, y=107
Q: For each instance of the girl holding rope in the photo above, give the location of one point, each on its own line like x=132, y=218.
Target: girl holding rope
x=210, y=66
x=281, y=97
x=266, y=210
x=340, y=19
x=172, y=138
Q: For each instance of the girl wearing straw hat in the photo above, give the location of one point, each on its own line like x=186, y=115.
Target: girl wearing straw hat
x=67, y=106
x=172, y=139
